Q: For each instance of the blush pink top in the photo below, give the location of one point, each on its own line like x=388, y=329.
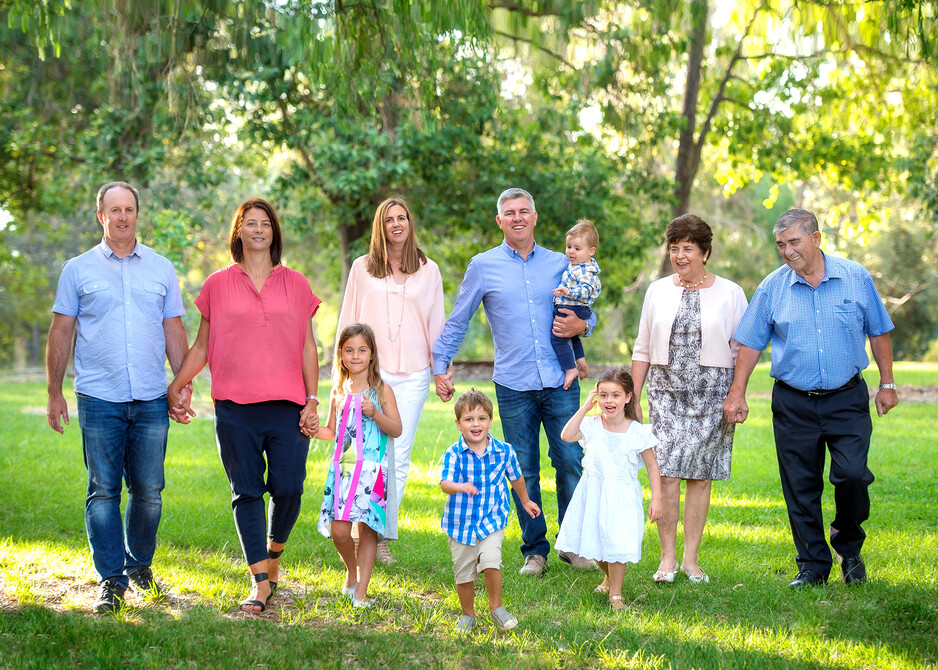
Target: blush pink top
x=379, y=303
x=255, y=342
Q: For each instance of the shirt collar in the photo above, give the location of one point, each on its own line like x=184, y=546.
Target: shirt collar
x=109, y=253
x=831, y=271
x=493, y=445
x=513, y=253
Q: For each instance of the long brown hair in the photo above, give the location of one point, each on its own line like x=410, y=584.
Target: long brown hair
x=340, y=374
x=379, y=266
x=621, y=377
x=234, y=233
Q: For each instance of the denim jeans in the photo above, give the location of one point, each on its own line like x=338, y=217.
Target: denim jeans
x=522, y=414
x=123, y=441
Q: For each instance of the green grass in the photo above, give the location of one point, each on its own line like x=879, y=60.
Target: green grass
x=746, y=617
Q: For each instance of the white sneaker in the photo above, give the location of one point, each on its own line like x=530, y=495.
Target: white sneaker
x=465, y=624
x=503, y=619
x=534, y=565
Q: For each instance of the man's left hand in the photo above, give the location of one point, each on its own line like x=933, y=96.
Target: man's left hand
x=886, y=399
x=568, y=325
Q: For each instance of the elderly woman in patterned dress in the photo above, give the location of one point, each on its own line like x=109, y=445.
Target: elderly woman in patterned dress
x=686, y=353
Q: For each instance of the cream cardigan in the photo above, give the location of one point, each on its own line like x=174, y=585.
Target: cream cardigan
x=721, y=309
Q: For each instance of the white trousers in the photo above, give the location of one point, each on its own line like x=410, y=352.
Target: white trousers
x=410, y=392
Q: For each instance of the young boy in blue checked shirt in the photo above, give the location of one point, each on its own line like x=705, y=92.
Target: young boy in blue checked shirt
x=476, y=513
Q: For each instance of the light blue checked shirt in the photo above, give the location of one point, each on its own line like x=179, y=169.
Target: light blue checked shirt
x=818, y=334
x=120, y=305
x=517, y=294
x=468, y=519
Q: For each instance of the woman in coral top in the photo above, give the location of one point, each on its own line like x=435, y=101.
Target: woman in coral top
x=397, y=291
x=256, y=335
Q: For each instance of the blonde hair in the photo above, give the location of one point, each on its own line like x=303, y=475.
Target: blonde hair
x=340, y=375
x=378, y=264
x=586, y=231
x=470, y=400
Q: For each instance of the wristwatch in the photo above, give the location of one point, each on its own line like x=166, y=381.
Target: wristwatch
x=316, y=397
x=891, y=386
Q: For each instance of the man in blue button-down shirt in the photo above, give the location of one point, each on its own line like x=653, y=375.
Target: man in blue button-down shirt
x=515, y=283
x=125, y=301
x=818, y=310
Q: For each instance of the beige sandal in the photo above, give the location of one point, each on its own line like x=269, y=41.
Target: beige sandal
x=617, y=603
x=602, y=588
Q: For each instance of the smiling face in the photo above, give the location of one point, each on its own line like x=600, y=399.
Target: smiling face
x=517, y=220
x=687, y=259
x=578, y=251
x=474, y=424
x=257, y=231
x=396, y=226
x=612, y=399
x=118, y=217
x=356, y=355
x=801, y=251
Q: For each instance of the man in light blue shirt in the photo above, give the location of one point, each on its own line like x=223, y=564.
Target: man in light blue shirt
x=125, y=301
x=515, y=282
x=818, y=310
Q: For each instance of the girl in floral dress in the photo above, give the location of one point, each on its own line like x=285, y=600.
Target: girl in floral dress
x=362, y=414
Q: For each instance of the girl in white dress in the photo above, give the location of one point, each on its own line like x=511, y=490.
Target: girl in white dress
x=605, y=519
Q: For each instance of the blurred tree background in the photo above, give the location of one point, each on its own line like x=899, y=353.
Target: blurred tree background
x=626, y=113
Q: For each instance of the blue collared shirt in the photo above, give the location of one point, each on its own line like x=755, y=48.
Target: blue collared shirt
x=818, y=334
x=469, y=518
x=517, y=294
x=120, y=305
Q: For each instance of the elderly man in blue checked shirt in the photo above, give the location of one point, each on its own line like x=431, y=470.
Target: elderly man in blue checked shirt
x=515, y=283
x=124, y=299
x=817, y=311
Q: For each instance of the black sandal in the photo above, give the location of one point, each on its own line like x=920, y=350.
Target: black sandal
x=250, y=602
x=273, y=554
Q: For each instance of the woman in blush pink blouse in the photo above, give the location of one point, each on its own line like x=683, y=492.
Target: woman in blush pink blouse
x=397, y=291
x=256, y=335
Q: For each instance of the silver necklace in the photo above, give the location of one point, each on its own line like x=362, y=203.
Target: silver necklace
x=387, y=303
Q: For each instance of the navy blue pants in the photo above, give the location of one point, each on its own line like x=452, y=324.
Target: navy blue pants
x=568, y=350
x=254, y=440
x=804, y=429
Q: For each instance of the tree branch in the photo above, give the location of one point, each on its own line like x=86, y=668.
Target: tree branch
x=518, y=9
x=552, y=54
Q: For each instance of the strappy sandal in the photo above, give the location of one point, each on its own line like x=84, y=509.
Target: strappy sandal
x=602, y=588
x=250, y=602
x=617, y=603
x=273, y=554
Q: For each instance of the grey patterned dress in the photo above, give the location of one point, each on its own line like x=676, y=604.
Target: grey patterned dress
x=685, y=404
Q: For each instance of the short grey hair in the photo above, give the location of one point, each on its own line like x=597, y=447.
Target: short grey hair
x=511, y=194
x=805, y=220
x=99, y=201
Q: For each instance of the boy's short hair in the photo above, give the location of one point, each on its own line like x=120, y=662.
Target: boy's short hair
x=586, y=231
x=470, y=400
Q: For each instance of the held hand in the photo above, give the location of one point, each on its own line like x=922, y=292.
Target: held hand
x=180, y=403
x=568, y=325
x=57, y=413
x=559, y=291
x=532, y=509
x=309, y=418
x=735, y=409
x=886, y=399
x=444, y=385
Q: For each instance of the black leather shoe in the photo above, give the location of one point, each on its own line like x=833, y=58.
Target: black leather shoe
x=807, y=577
x=853, y=569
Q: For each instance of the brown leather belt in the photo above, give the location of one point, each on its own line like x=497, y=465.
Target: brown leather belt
x=823, y=393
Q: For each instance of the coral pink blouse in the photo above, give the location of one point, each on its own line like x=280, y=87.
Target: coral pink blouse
x=255, y=343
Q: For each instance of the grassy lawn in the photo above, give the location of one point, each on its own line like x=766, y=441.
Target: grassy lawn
x=746, y=616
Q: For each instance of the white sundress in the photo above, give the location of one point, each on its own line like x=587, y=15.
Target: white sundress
x=605, y=520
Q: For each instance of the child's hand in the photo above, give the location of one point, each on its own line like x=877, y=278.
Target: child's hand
x=591, y=400
x=368, y=407
x=532, y=509
x=559, y=291
x=467, y=487
x=654, y=510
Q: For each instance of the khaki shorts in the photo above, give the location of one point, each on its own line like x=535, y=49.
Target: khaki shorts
x=470, y=560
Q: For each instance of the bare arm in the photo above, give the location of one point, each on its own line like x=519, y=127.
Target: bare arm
x=450, y=488
x=571, y=431
x=529, y=505
x=639, y=374
x=389, y=420
x=177, y=344
x=309, y=415
x=58, y=349
x=881, y=346
x=654, y=481
x=327, y=432
x=192, y=363
x=735, y=409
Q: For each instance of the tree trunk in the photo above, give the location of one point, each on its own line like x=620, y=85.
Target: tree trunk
x=688, y=153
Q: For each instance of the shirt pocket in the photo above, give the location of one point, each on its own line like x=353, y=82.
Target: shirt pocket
x=848, y=317
x=94, y=297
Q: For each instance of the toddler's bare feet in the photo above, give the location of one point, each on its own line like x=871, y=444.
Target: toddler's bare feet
x=568, y=377
x=582, y=368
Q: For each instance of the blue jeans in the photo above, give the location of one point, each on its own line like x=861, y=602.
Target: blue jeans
x=123, y=440
x=522, y=414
